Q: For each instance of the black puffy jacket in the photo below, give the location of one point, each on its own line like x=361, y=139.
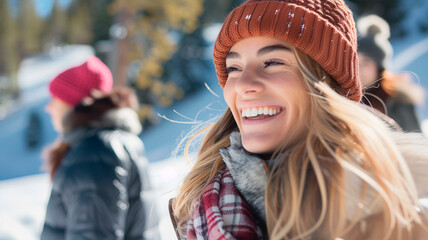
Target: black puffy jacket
x=101, y=189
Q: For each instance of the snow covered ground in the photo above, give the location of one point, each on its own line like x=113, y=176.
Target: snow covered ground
x=23, y=200
x=22, y=207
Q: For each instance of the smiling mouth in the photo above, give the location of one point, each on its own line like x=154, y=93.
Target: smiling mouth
x=256, y=113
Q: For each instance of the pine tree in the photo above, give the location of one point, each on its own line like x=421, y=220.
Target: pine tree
x=80, y=24
x=390, y=10
x=55, y=26
x=102, y=20
x=29, y=29
x=188, y=68
x=9, y=60
x=9, y=56
x=217, y=10
x=153, y=30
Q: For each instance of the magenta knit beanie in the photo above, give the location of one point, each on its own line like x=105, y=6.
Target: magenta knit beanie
x=75, y=83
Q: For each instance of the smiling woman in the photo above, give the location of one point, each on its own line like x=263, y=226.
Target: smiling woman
x=265, y=93
x=296, y=155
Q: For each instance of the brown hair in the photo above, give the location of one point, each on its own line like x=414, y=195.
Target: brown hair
x=88, y=109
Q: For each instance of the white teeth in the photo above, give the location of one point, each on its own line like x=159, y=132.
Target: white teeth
x=253, y=112
x=246, y=112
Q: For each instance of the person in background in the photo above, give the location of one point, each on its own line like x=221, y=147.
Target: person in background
x=392, y=94
x=98, y=167
x=296, y=155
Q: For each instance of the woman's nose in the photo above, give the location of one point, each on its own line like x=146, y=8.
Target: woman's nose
x=249, y=82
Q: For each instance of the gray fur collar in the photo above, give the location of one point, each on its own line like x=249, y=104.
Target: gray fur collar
x=248, y=173
x=120, y=118
x=250, y=176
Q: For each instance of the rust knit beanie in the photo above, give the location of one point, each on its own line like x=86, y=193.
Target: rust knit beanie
x=323, y=29
x=75, y=83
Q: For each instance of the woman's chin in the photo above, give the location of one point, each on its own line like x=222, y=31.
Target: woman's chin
x=257, y=147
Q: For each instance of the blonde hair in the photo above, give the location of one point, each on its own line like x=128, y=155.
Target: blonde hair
x=306, y=194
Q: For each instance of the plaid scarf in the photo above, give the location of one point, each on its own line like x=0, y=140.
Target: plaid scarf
x=222, y=213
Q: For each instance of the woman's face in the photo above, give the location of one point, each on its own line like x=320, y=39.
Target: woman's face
x=57, y=109
x=266, y=93
x=368, y=70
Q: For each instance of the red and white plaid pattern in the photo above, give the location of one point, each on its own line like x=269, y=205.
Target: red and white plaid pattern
x=222, y=213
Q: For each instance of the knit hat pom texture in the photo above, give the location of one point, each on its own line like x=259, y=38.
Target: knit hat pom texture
x=373, y=42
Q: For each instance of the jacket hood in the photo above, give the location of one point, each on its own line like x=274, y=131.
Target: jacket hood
x=120, y=119
x=115, y=110
x=123, y=118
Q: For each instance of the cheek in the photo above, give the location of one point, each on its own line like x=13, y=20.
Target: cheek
x=228, y=95
x=48, y=108
x=56, y=116
x=373, y=72
x=370, y=70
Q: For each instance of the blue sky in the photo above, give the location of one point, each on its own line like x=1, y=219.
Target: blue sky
x=43, y=7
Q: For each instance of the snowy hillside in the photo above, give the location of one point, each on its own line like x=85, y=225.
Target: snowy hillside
x=40, y=69
x=189, y=114
x=27, y=128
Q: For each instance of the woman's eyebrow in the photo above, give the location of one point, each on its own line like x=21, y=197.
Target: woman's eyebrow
x=261, y=51
x=272, y=48
x=232, y=55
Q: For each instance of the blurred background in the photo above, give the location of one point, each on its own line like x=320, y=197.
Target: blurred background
x=163, y=50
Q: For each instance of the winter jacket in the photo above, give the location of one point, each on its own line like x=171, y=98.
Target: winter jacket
x=399, y=108
x=404, y=114
x=101, y=189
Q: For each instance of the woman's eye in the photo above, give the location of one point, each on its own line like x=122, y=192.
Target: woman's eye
x=273, y=63
x=231, y=69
